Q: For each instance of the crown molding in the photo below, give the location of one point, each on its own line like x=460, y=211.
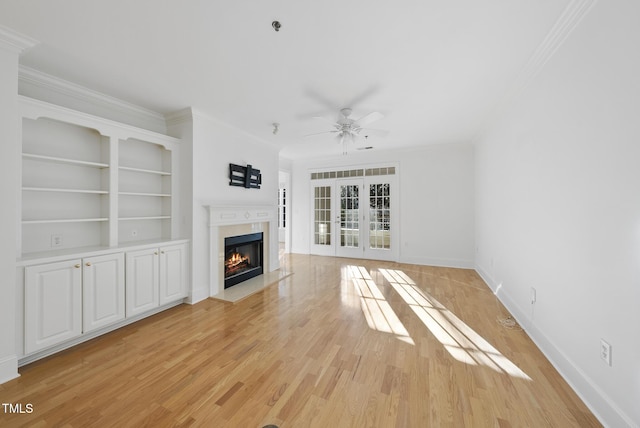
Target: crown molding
x=179, y=117
x=51, y=84
x=573, y=14
x=34, y=109
x=188, y=115
x=14, y=41
x=191, y=114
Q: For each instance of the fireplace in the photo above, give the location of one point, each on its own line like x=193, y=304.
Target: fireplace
x=243, y=258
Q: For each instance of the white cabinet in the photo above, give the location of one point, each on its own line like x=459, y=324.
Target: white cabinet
x=53, y=304
x=65, y=299
x=142, y=273
x=103, y=291
x=173, y=278
x=155, y=277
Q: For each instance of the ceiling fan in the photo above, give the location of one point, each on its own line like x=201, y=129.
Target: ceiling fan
x=347, y=129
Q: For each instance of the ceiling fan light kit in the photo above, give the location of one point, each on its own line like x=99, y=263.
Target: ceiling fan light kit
x=346, y=128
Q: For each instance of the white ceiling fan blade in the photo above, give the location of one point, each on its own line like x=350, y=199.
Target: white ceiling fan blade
x=369, y=118
x=320, y=133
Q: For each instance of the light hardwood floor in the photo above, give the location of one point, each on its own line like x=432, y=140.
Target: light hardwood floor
x=340, y=343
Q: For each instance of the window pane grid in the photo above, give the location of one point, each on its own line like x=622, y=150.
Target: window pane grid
x=282, y=208
x=379, y=216
x=322, y=215
x=349, y=216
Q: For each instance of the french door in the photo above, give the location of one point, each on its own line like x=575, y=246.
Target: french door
x=354, y=217
x=349, y=217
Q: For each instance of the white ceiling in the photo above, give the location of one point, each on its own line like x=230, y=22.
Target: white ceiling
x=435, y=69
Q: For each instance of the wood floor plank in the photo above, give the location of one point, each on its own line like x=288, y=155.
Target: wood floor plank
x=340, y=343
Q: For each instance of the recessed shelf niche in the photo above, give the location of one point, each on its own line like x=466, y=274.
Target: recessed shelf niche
x=144, y=194
x=65, y=186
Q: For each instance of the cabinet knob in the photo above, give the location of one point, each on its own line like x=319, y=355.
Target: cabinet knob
x=87, y=264
x=156, y=253
x=77, y=266
x=161, y=252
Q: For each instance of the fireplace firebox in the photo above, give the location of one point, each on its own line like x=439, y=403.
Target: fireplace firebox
x=243, y=258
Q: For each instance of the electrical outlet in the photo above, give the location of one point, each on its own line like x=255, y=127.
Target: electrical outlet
x=605, y=351
x=533, y=295
x=134, y=232
x=56, y=240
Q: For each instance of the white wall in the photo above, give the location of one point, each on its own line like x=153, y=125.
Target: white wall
x=9, y=173
x=210, y=146
x=558, y=209
x=436, y=201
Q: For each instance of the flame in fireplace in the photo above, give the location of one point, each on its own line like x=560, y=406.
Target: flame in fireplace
x=235, y=260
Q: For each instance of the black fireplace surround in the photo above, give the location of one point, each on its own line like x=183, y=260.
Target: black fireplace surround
x=243, y=258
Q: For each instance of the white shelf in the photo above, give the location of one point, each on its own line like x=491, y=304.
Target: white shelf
x=66, y=220
x=64, y=160
x=51, y=189
x=145, y=171
x=163, y=195
x=158, y=217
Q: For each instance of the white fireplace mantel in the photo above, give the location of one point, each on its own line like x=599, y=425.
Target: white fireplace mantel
x=250, y=218
x=223, y=215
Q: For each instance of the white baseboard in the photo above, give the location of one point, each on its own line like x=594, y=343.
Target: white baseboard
x=8, y=368
x=600, y=404
x=425, y=261
x=197, y=295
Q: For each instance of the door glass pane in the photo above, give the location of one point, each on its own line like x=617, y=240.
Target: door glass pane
x=379, y=216
x=349, y=215
x=322, y=215
x=282, y=208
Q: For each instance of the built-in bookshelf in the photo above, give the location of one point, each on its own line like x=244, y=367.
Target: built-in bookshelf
x=98, y=246
x=65, y=186
x=145, y=191
x=90, y=182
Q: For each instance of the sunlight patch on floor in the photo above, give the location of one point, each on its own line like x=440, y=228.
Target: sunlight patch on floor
x=462, y=342
x=377, y=311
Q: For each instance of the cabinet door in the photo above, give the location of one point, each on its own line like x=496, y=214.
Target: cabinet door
x=141, y=281
x=103, y=290
x=53, y=304
x=173, y=282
